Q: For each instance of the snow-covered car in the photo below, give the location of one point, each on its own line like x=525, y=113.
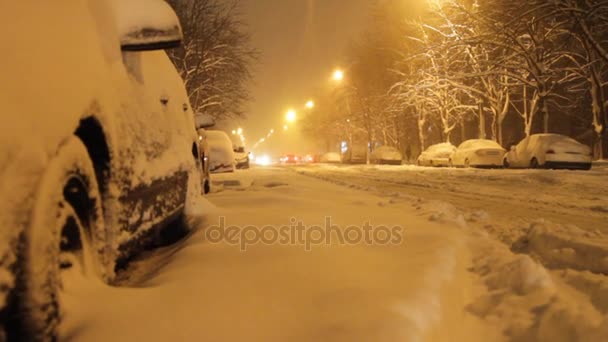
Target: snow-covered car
x=549, y=151
x=356, y=154
x=331, y=157
x=436, y=155
x=478, y=153
x=99, y=148
x=221, y=155
x=386, y=155
x=203, y=149
x=241, y=158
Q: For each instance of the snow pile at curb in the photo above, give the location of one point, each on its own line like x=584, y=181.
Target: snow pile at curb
x=566, y=247
x=526, y=304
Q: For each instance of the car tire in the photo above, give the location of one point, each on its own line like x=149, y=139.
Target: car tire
x=534, y=164
x=505, y=163
x=206, y=186
x=66, y=225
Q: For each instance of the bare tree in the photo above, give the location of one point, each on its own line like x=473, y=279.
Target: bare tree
x=216, y=57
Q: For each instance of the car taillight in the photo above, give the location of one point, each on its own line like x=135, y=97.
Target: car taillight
x=550, y=152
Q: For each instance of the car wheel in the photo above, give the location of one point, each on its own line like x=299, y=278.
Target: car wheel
x=66, y=226
x=534, y=163
x=206, y=186
x=505, y=163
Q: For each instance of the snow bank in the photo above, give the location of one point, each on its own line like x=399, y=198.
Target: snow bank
x=526, y=303
x=566, y=247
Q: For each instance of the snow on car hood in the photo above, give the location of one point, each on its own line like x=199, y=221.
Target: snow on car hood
x=441, y=150
x=386, y=153
x=561, y=144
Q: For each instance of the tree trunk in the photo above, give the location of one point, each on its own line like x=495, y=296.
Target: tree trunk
x=482, y=121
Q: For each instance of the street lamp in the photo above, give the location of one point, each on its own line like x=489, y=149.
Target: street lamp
x=338, y=75
x=239, y=131
x=310, y=104
x=290, y=116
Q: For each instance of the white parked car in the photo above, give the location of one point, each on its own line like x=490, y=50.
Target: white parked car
x=99, y=148
x=549, y=151
x=436, y=155
x=331, y=157
x=356, y=154
x=221, y=154
x=386, y=155
x=478, y=153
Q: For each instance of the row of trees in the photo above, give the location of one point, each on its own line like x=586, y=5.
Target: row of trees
x=215, y=58
x=475, y=69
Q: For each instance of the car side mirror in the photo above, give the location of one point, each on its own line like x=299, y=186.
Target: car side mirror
x=146, y=25
x=203, y=121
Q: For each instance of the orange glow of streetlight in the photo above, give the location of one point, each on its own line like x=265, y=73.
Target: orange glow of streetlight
x=338, y=75
x=310, y=104
x=285, y=127
x=291, y=115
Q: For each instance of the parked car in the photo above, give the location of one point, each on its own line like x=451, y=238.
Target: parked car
x=552, y=151
x=436, y=155
x=99, y=148
x=221, y=155
x=386, y=155
x=331, y=158
x=356, y=154
x=478, y=153
x=241, y=158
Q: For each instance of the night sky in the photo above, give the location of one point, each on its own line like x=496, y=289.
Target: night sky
x=300, y=42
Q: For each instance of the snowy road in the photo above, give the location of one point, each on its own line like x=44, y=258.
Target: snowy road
x=440, y=277
x=517, y=196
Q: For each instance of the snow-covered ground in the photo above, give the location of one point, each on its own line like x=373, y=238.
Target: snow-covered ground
x=447, y=273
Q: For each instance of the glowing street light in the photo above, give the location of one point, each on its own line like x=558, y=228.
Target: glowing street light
x=310, y=104
x=239, y=131
x=338, y=75
x=285, y=127
x=291, y=115
x=233, y=132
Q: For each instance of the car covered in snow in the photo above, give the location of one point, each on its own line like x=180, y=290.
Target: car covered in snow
x=331, y=158
x=356, y=154
x=477, y=153
x=436, y=155
x=552, y=151
x=386, y=155
x=221, y=154
x=99, y=147
x=241, y=157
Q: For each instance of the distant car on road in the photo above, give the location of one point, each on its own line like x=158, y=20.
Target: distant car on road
x=436, y=155
x=478, y=153
x=386, y=155
x=290, y=159
x=553, y=151
x=331, y=158
x=221, y=155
